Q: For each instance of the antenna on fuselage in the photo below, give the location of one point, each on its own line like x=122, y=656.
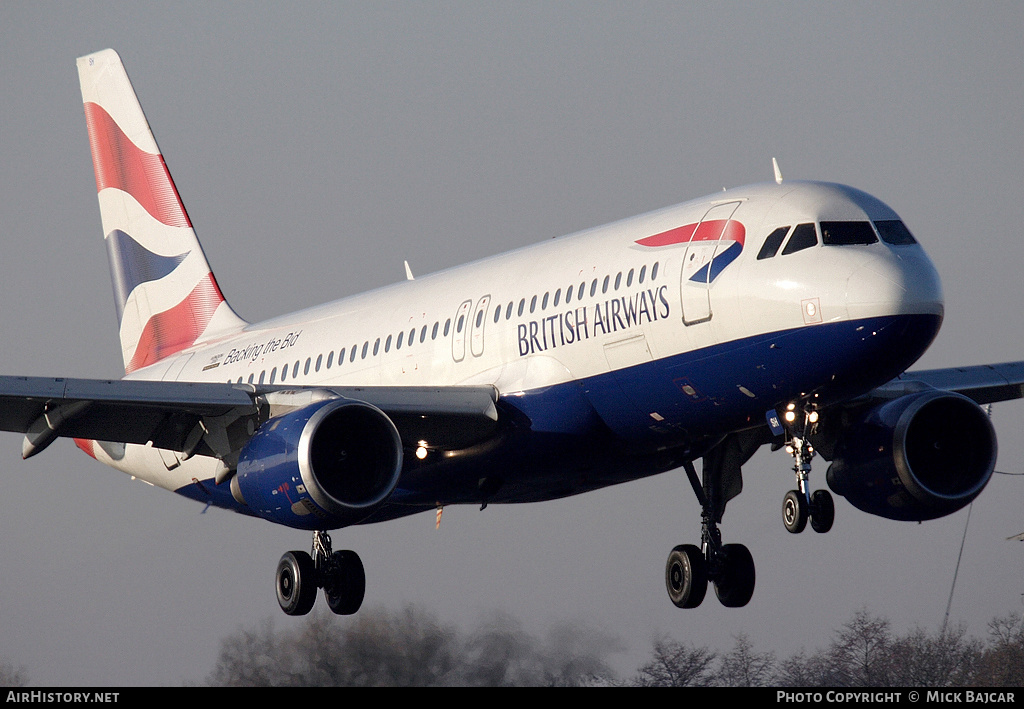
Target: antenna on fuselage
x=778, y=172
x=408, y=272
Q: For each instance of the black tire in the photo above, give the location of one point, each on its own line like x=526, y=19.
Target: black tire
x=346, y=586
x=794, y=512
x=686, y=576
x=823, y=511
x=735, y=583
x=296, y=583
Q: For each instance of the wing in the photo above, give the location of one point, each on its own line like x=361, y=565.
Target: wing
x=210, y=418
x=985, y=384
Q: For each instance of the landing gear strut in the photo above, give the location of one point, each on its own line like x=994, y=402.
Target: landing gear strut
x=728, y=566
x=801, y=505
x=339, y=573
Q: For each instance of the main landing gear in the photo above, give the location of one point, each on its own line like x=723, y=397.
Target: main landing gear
x=340, y=574
x=801, y=505
x=728, y=566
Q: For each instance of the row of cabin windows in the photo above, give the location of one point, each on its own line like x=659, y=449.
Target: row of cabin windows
x=363, y=352
x=356, y=351
x=804, y=236
x=579, y=292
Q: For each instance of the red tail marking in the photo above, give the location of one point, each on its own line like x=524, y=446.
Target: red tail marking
x=120, y=164
x=175, y=329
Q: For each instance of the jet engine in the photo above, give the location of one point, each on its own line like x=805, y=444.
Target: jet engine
x=322, y=466
x=920, y=456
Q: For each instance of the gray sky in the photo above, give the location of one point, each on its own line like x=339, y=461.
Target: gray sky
x=317, y=146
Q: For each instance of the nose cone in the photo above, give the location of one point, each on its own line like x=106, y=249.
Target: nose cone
x=897, y=281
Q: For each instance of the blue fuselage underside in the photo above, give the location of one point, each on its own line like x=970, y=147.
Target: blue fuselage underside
x=618, y=426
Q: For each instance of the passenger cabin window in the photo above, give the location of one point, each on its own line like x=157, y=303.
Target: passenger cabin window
x=847, y=233
x=894, y=232
x=804, y=237
x=772, y=243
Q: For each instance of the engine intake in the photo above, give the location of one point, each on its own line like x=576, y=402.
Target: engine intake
x=323, y=466
x=917, y=457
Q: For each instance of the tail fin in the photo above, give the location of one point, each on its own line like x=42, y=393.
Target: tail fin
x=166, y=296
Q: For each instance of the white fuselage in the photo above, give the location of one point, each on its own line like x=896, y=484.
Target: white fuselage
x=594, y=305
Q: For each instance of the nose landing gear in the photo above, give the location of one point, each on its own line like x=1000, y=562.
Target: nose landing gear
x=801, y=505
x=339, y=573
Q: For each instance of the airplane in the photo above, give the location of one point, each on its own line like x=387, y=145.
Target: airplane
x=782, y=314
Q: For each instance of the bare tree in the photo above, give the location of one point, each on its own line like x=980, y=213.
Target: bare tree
x=860, y=651
x=673, y=664
x=411, y=647
x=577, y=654
x=742, y=667
x=1002, y=662
x=802, y=670
x=947, y=658
x=250, y=658
x=407, y=648
x=11, y=676
x=501, y=654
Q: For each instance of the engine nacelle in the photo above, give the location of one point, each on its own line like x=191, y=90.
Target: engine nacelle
x=324, y=466
x=917, y=457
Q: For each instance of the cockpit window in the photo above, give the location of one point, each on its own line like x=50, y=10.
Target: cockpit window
x=894, y=232
x=772, y=243
x=804, y=237
x=847, y=233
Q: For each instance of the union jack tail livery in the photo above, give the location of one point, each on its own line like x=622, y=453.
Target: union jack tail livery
x=166, y=296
